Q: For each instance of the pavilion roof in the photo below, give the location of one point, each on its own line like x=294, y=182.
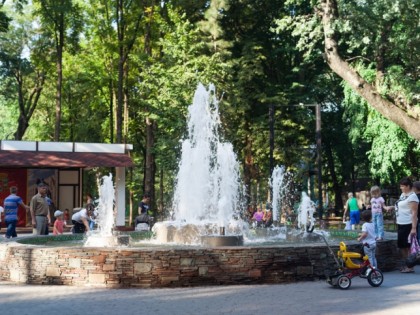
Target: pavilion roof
x=63, y=155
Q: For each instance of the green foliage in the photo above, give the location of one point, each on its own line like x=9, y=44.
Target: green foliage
x=257, y=53
x=391, y=151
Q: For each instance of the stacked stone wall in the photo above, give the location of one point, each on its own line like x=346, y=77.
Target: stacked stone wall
x=176, y=267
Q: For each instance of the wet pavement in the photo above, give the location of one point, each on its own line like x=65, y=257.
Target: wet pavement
x=399, y=294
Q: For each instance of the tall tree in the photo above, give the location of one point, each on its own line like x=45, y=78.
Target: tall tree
x=22, y=74
x=62, y=20
x=128, y=15
x=391, y=103
x=382, y=35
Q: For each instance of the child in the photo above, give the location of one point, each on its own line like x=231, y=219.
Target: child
x=368, y=237
x=59, y=223
x=348, y=224
x=377, y=203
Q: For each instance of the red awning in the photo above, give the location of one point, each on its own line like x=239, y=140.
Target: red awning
x=63, y=159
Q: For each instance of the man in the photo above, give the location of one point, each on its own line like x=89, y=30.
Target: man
x=40, y=210
x=352, y=206
x=143, y=216
x=11, y=205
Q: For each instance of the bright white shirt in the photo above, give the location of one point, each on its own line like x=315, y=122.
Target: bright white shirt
x=369, y=228
x=79, y=215
x=402, y=208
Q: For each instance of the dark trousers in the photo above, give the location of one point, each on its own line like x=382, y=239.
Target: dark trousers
x=11, y=228
x=78, y=228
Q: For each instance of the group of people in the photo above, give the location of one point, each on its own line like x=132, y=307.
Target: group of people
x=39, y=208
x=407, y=214
x=83, y=221
x=262, y=218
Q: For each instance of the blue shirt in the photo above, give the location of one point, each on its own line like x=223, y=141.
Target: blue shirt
x=11, y=205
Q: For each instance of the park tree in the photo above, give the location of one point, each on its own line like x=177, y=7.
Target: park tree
x=21, y=69
x=367, y=34
x=61, y=21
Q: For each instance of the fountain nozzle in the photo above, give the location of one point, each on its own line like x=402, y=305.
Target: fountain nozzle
x=222, y=230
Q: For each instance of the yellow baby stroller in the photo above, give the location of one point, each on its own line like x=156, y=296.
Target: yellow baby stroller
x=352, y=264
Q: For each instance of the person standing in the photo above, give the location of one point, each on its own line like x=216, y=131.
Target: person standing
x=59, y=223
x=11, y=205
x=377, y=203
x=353, y=208
x=416, y=189
x=40, y=210
x=406, y=214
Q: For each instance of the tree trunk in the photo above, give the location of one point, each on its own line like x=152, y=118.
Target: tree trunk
x=111, y=109
x=27, y=106
x=407, y=119
x=149, y=164
x=120, y=96
x=331, y=167
x=59, y=48
x=121, y=61
x=248, y=166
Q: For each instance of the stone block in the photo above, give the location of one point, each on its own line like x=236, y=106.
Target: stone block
x=142, y=267
x=108, y=267
x=304, y=270
x=187, y=261
x=53, y=272
x=75, y=262
x=97, y=278
x=168, y=279
x=255, y=273
x=203, y=271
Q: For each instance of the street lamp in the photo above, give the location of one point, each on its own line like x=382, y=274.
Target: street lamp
x=318, y=148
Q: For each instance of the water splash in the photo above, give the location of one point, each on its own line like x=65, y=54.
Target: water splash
x=103, y=236
x=306, y=210
x=207, y=188
x=279, y=185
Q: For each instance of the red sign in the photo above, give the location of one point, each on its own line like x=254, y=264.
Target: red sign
x=14, y=177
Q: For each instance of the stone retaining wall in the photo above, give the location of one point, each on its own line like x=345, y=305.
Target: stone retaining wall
x=176, y=267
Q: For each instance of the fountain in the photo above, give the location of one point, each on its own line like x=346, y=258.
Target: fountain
x=205, y=214
x=279, y=186
x=104, y=235
x=206, y=199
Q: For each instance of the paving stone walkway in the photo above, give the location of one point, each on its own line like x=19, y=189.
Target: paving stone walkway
x=399, y=294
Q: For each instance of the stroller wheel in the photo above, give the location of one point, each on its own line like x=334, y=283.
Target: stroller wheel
x=343, y=282
x=375, y=278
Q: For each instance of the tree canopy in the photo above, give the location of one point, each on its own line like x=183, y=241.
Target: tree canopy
x=123, y=71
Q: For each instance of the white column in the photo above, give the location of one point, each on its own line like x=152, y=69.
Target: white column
x=120, y=196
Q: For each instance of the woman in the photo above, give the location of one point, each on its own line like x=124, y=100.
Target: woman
x=258, y=216
x=406, y=214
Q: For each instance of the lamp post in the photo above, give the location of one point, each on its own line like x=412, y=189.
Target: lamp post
x=318, y=149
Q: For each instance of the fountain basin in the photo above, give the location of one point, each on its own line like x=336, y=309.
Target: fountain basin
x=222, y=240
x=174, y=266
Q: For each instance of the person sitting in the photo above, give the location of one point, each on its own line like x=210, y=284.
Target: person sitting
x=267, y=218
x=143, y=221
x=143, y=217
